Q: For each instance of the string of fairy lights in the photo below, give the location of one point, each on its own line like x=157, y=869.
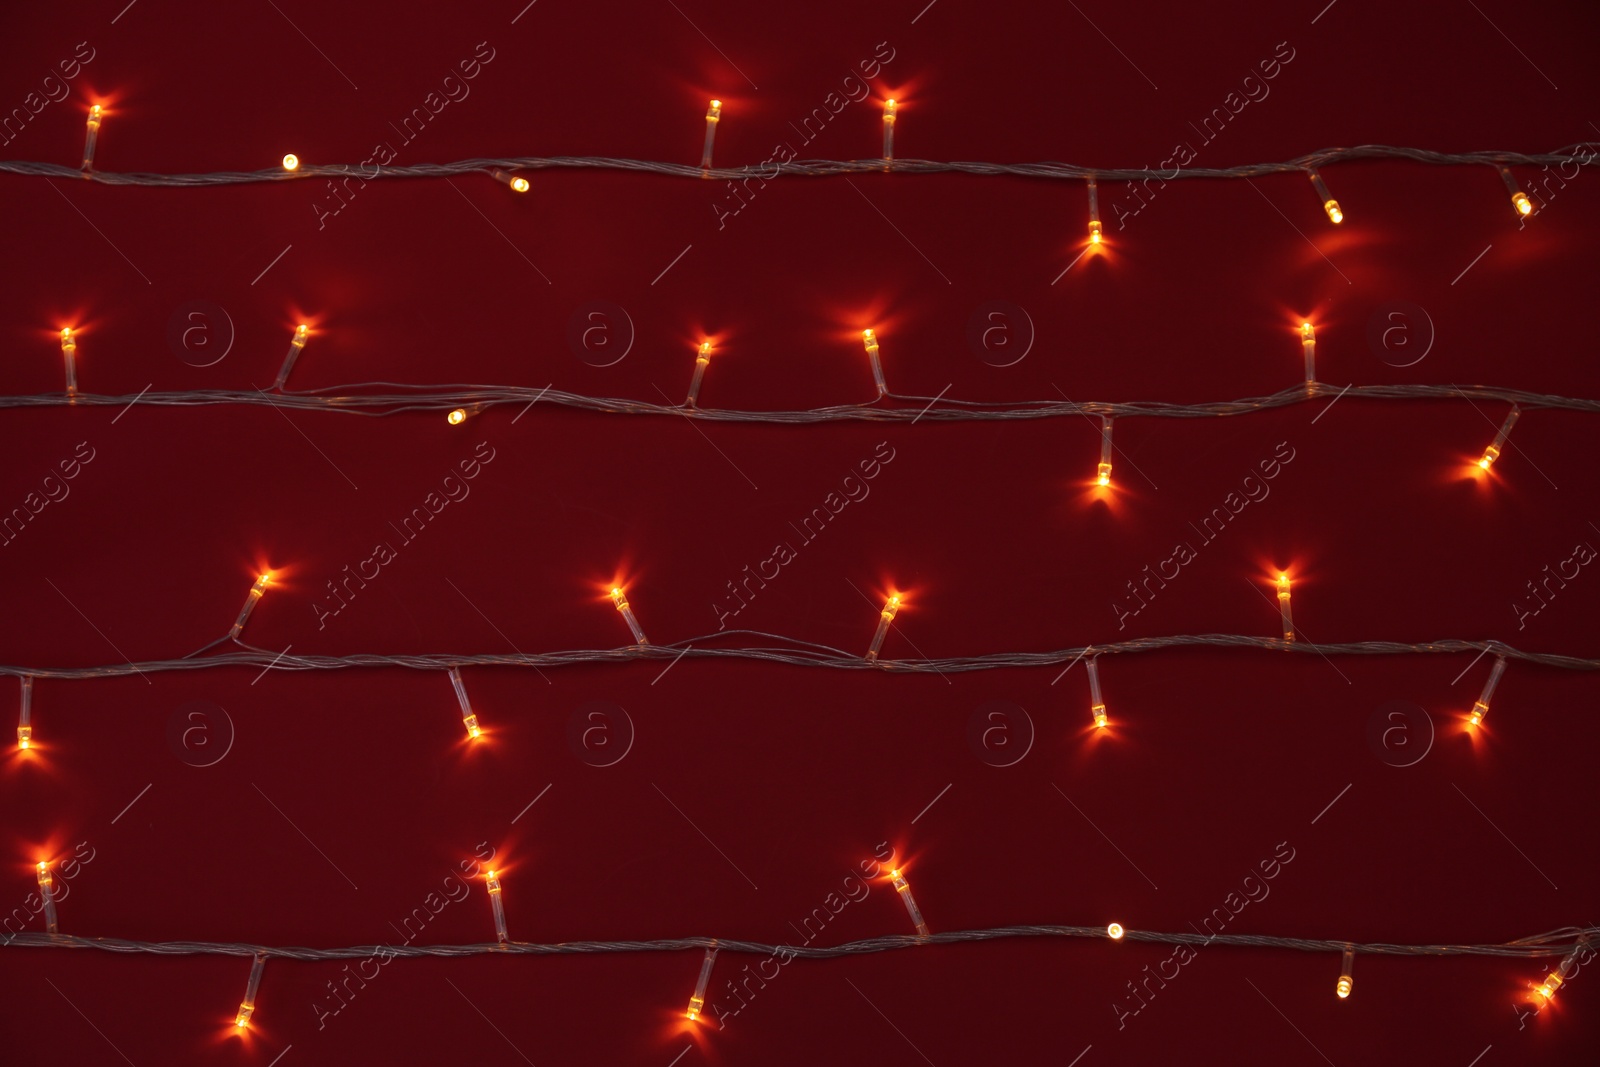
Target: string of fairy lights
x=1572, y=944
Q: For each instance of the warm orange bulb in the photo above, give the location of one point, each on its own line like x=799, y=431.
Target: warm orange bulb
x=519, y=185
x=457, y=417
x=291, y=162
x=1115, y=931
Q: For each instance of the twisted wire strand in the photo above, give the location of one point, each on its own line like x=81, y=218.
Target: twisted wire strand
x=485, y=396
x=815, y=168
x=1554, y=943
x=806, y=654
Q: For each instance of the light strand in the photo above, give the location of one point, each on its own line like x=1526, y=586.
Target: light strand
x=713, y=116
x=903, y=887
x=1097, y=701
x=1519, y=199
x=1329, y=204
x=91, y=138
x=808, y=654
x=296, y=344
x=1308, y=346
x=889, y=110
x=621, y=603
x=1481, y=707
x=1284, y=614
x=1347, y=965
x=69, y=357
x=1492, y=453
x=702, y=360
x=257, y=591
x=934, y=409
x=771, y=169
x=492, y=879
x=1561, y=942
x=885, y=617
x=1103, y=475
x=47, y=894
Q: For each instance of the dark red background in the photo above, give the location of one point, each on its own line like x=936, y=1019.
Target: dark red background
x=795, y=775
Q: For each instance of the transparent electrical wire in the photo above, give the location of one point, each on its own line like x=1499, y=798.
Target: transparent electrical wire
x=771, y=169
x=798, y=653
x=1554, y=943
x=345, y=399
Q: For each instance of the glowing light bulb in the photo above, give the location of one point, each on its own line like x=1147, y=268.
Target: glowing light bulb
x=1492, y=453
x=1097, y=703
x=493, y=881
x=1308, y=346
x=518, y=184
x=702, y=360
x=247, y=1006
x=457, y=417
x=1329, y=204
x=1519, y=199
x=1346, y=968
x=468, y=716
x=870, y=341
x=627, y=615
x=1103, y=477
x=1094, y=212
x=1481, y=707
x=888, y=133
x=1283, y=606
x=1547, y=988
x=302, y=333
x=257, y=591
x=69, y=356
x=713, y=116
x=24, y=721
x=1115, y=931
x=291, y=162
x=697, y=1002
x=885, y=617
x=47, y=895
x=91, y=137
x=904, y=889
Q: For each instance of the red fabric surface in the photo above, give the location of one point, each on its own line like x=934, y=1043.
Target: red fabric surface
x=751, y=791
